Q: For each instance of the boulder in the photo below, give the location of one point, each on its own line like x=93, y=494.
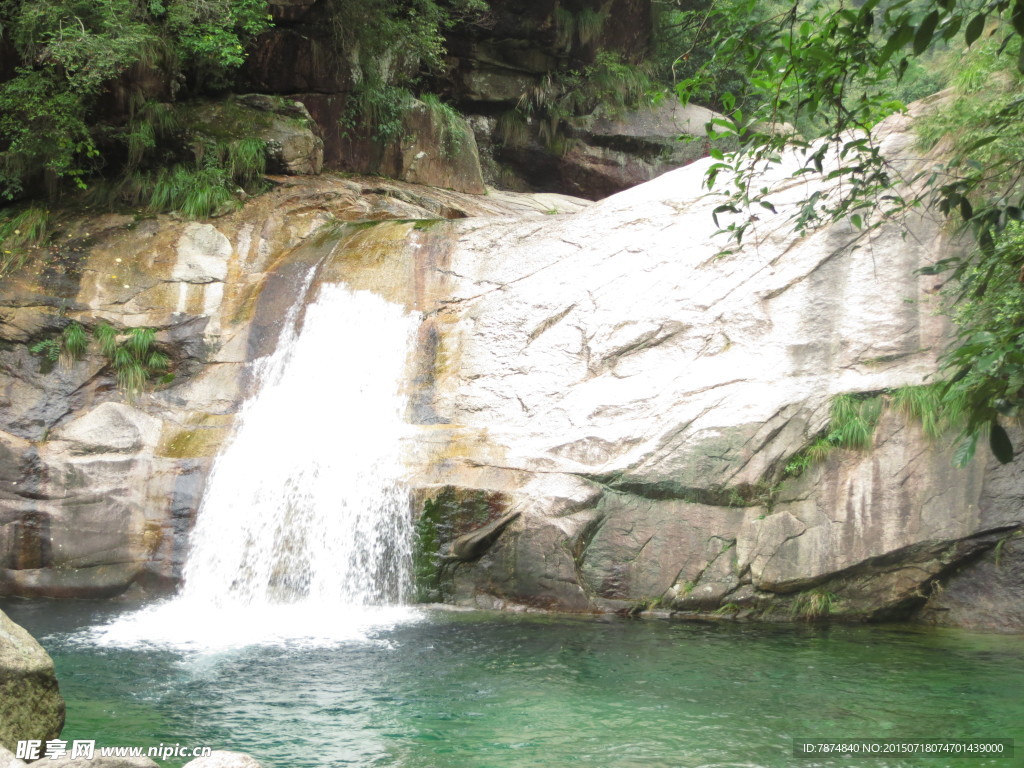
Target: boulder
x=604, y=153
x=618, y=347
x=292, y=139
x=433, y=146
x=31, y=706
x=109, y=428
x=439, y=150
x=611, y=153
x=8, y=760
x=224, y=759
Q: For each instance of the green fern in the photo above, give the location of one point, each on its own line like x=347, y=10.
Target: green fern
x=48, y=349
x=923, y=403
x=158, y=362
x=132, y=356
x=853, y=420
x=512, y=128
x=589, y=25
x=582, y=28
x=70, y=346
x=25, y=229
x=139, y=341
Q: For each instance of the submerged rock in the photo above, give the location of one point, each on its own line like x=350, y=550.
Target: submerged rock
x=31, y=706
x=8, y=760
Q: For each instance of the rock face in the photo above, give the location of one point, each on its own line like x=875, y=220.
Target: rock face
x=604, y=154
x=31, y=706
x=494, y=64
x=98, y=491
x=637, y=399
x=984, y=594
x=609, y=413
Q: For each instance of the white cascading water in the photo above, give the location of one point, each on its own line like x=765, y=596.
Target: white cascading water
x=306, y=502
x=304, y=531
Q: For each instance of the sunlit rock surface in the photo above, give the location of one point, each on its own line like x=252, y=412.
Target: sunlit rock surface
x=98, y=490
x=602, y=404
x=638, y=396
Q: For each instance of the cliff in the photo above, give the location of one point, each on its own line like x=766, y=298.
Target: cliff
x=609, y=415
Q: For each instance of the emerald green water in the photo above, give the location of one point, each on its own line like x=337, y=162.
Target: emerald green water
x=478, y=690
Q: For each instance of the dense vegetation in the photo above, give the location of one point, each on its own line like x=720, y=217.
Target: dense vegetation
x=94, y=92
x=57, y=119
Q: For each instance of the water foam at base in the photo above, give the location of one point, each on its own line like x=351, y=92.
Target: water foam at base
x=193, y=626
x=304, y=534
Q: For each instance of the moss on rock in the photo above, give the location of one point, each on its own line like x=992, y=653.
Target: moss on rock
x=31, y=706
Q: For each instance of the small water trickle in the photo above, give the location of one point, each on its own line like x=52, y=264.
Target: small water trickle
x=304, y=531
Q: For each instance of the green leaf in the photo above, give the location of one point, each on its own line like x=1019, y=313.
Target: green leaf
x=965, y=451
x=904, y=34
x=923, y=37
x=950, y=29
x=1017, y=17
x=975, y=28
x=1000, y=443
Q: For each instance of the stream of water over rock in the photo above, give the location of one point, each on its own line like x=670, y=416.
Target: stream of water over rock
x=304, y=530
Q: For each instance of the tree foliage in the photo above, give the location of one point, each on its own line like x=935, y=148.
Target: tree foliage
x=73, y=51
x=56, y=119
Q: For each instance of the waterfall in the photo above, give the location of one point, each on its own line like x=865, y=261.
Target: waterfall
x=304, y=531
x=306, y=501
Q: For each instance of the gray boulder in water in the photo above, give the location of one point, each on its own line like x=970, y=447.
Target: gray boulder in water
x=31, y=706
